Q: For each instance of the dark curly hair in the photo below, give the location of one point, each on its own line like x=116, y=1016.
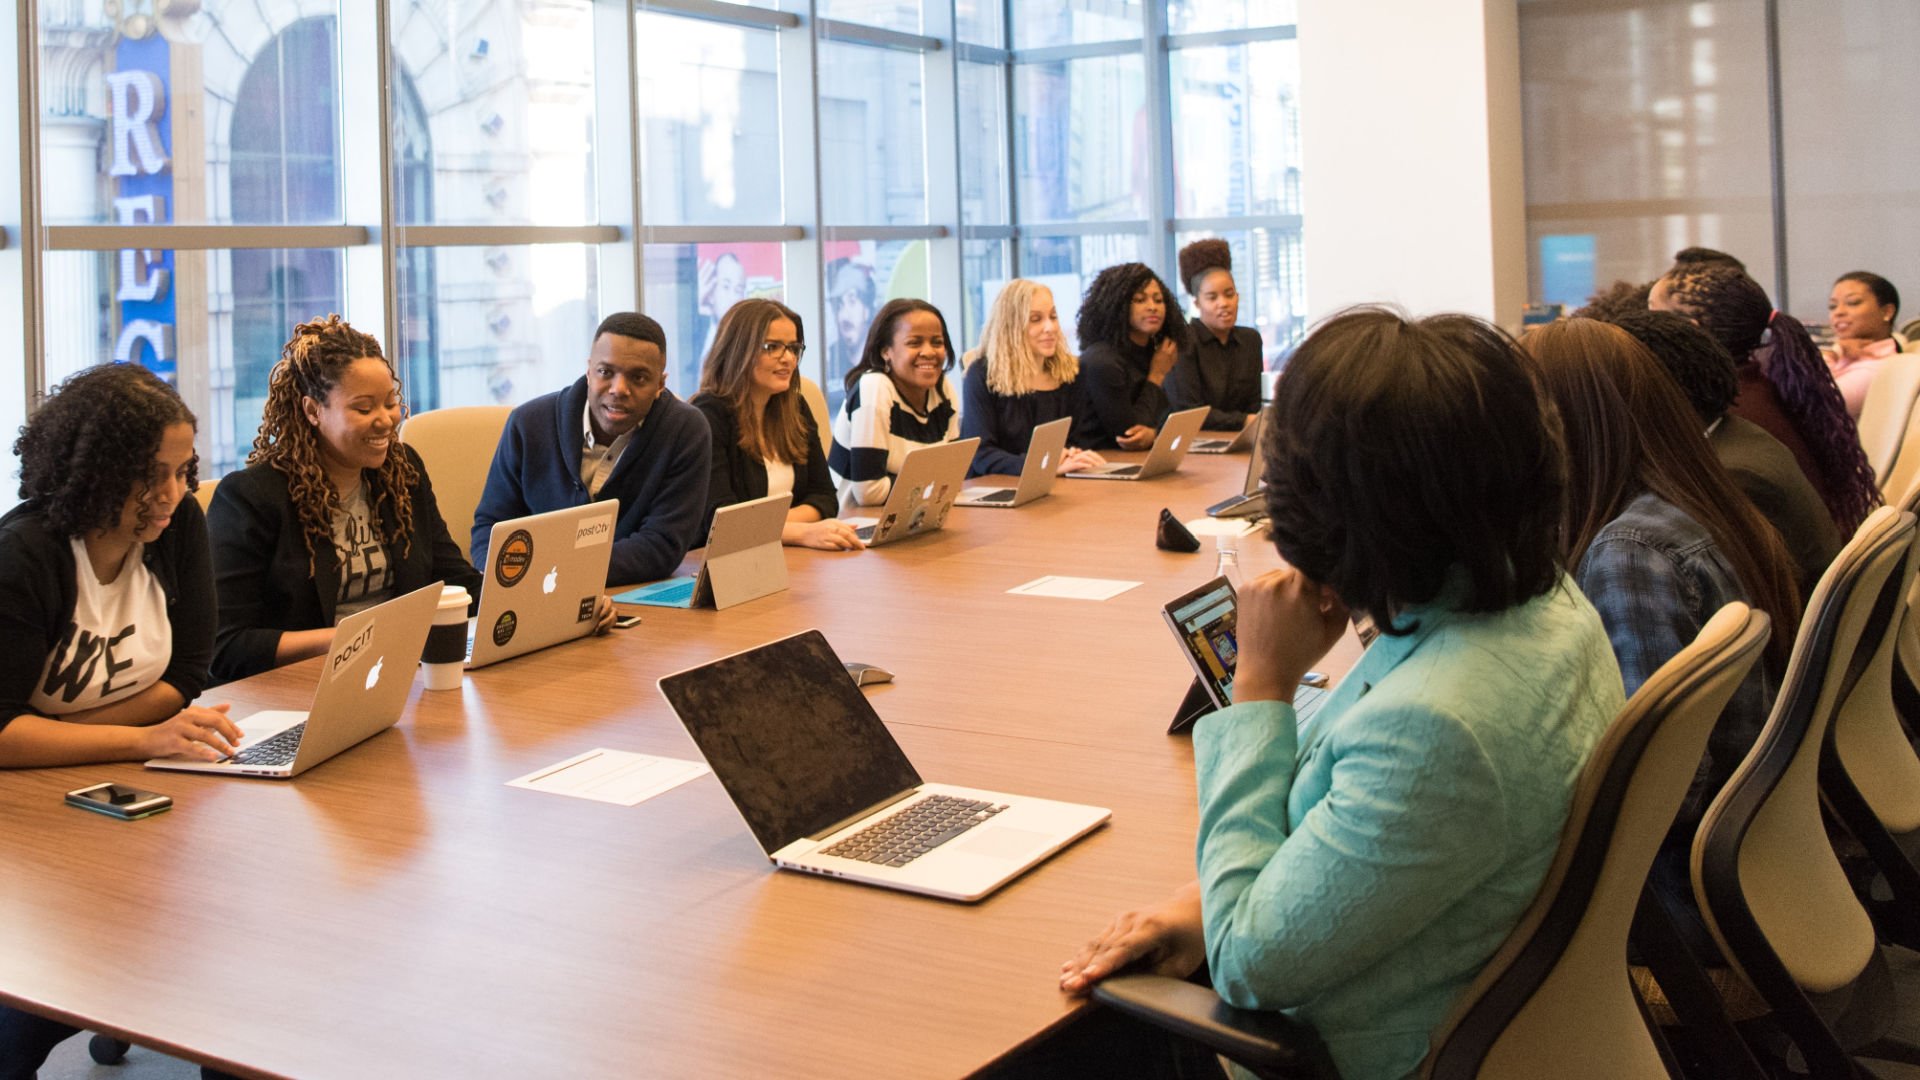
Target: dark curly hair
x=1703, y=369
x=89, y=447
x=1618, y=298
x=1397, y=450
x=880, y=335
x=1203, y=257
x=310, y=366
x=1731, y=306
x=1103, y=311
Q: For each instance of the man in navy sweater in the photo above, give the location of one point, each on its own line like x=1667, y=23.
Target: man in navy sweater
x=616, y=433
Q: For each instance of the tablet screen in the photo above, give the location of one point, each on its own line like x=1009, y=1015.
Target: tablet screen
x=1205, y=622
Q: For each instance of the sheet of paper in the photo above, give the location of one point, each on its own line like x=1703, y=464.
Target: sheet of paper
x=612, y=776
x=1208, y=526
x=1073, y=588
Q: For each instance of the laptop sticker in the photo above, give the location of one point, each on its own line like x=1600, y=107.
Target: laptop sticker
x=586, y=609
x=504, y=626
x=343, y=656
x=513, y=559
x=593, y=531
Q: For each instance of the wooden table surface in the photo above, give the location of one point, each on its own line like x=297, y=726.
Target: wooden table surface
x=400, y=911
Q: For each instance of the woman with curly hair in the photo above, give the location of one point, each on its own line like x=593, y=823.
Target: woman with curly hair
x=764, y=439
x=1021, y=377
x=106, y=596
x=332, y=514
x=1130, y=334
x=1223, y=362
x=1785, y=386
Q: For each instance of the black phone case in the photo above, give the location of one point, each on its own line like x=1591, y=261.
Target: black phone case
x=1173, y=536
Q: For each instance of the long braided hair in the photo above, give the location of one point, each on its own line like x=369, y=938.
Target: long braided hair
x=310, y=366
x=1735, y=310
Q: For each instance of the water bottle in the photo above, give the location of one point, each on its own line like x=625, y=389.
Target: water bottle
x=1229, y=562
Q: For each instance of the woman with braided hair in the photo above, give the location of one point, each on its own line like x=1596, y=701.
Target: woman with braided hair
x=1220, y=363
x=1130, y=334
x=332, y=514
x=1785, y=386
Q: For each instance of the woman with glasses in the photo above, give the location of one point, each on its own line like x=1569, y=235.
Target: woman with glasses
x=764, y=440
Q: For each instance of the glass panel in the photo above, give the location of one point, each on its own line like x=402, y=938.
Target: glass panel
x=1267, y=270
x=214, y=329
x=235, y=122
x=1646, y=132
x=983, y=144
x=1201, y=16
x=984, y=270
x=1852, y=107
x=1067, y=264
x=1080, y=140
x=710, y=110
x=1039, y=23
x=1236, y=129
x=496, y=107
x=873, y=161
x=892, y=14
x=689, y=286
x=494, y=325
x=979, y=22
x=862, y=275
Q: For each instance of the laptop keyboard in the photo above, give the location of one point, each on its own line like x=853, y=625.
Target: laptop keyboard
x=864, y=532
x=916, y=830
x=278, y=750
x=999, y=496
x=675, y=594
x=1307, y=701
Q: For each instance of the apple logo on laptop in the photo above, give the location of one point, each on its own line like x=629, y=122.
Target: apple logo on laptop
x=1176, y=442
x=551, y=581
x=373, y=673
x=1045, y=460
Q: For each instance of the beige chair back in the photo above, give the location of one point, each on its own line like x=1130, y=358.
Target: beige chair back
x=1868, y=738
x=1770, y=887
x=204, y=493
x=1555, y=1000
x=1905, y=473
x=457, y=447
x=817, y=405
x=1887, y=413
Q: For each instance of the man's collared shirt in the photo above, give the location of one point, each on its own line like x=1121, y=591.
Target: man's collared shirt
x=598, y=459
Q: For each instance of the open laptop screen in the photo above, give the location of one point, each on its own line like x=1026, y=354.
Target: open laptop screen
x=790, y=736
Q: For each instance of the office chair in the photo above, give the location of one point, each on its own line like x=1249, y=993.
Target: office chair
x=1771, y=890
x=457, y=445
x=817, y=405
x=1888, y=410
x=1555, y=999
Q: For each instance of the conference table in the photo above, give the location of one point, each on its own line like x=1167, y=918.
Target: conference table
x=401, y=911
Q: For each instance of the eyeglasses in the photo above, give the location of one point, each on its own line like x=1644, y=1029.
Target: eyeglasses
x=775, y=348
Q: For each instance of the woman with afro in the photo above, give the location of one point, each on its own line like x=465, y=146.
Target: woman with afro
x=1130, y=334
x=332, y=514
x=1222, y=366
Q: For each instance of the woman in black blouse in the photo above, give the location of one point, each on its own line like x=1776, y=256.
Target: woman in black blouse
x=1222, y=363
x=764, y=440
x=1130, y=334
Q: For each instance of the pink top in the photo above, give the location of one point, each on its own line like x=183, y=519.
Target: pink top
x=1855, y=373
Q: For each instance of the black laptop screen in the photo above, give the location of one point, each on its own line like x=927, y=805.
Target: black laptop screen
x=790, y=736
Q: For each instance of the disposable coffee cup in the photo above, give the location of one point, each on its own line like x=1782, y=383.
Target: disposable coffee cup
x=445, y=657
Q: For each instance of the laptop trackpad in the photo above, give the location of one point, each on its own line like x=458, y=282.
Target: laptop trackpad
x=1004, y=843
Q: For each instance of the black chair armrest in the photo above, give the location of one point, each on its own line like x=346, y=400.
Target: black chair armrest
x=1270, y=1043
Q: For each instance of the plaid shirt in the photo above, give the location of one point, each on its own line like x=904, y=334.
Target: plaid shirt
x=1656, y=577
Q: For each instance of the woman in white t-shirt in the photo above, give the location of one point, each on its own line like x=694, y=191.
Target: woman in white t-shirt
x=898, y=399
x=106, y=595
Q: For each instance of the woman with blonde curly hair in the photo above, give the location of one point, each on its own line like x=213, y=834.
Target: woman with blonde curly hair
x=1020, y=377
x=332, y=514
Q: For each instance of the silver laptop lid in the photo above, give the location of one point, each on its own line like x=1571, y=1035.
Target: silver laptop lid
x=790, y=737
x=1043, y=458
x=929, y=480
x=543, y=574
x=1256, y=474
x=367, y=675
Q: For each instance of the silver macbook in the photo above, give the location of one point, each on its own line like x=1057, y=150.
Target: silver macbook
x=542, y=578
x=1169, y=449
x=930, y=477
x=364, y=683
x=825, y=788
x=1048, y=442
x=743, y=561
x=1252, y=500
x=1216, y=445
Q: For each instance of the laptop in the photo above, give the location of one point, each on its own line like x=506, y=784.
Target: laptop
x=1049, y=441
x=1206, y=623
x=1169, y=449
x=1240, y=441
x=542, y=578
x=930, y=477
x=743, y=560
x=1252, y=500
x=364, y=684
x=825, y=789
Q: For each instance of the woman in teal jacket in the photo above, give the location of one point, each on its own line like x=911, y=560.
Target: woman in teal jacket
x=1357, y=871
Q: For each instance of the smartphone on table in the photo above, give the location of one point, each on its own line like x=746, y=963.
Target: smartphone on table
x=119, y=800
